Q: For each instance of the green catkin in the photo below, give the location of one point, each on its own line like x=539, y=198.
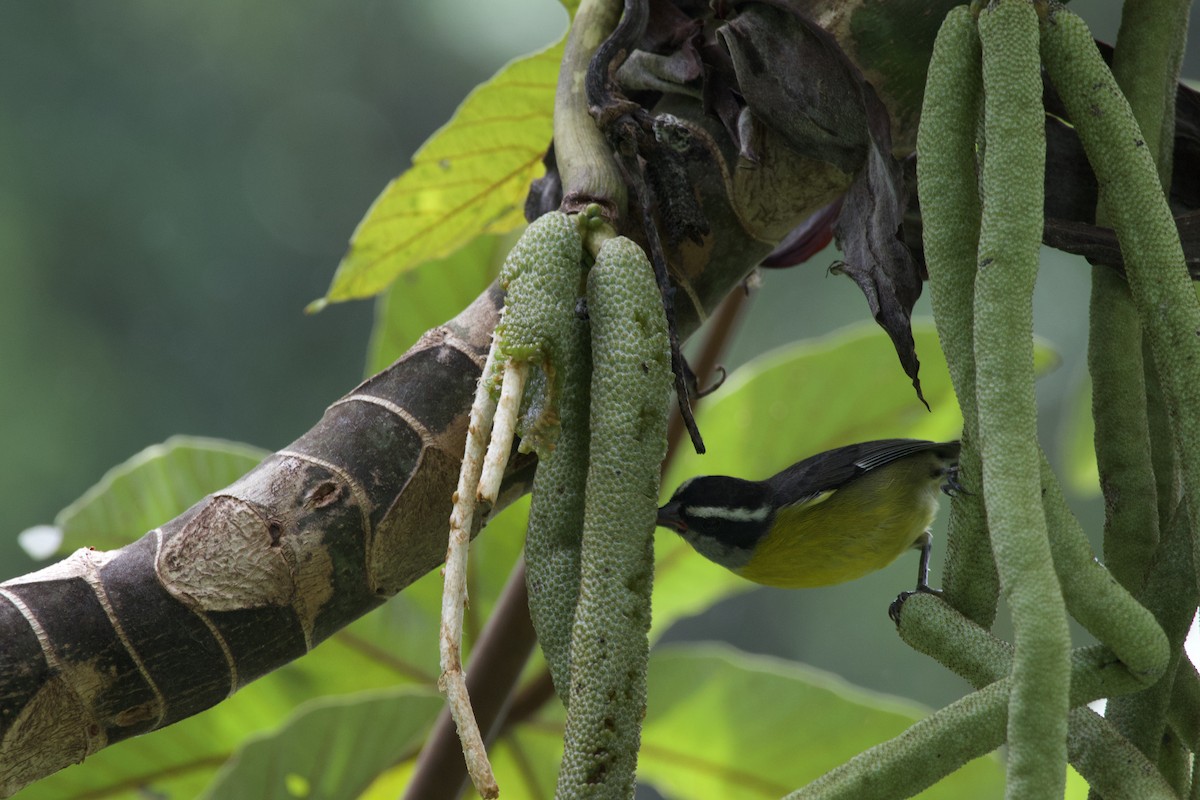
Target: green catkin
x=1122, y=437
x=948, y=189
x=1146, y=65
x=1175, y=763
x=543, y=277
x=1170, y=594
x=1162, y=447
x=1102, y=756
x=937, y=630
x=1100, y=604
x=1130, y=191
x=975, y=725
x=1109, y=763
x=1009, y=244
x=609, y=649
x=1131, y=195
x=1184, y=713
x=552, y=544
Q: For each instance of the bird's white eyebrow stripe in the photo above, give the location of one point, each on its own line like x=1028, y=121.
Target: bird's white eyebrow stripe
x=732, y=514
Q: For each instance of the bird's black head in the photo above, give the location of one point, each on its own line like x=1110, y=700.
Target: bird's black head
x=725, y=511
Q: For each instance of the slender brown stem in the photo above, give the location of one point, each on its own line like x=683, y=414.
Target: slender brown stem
x=530, y=699
x=721, y=326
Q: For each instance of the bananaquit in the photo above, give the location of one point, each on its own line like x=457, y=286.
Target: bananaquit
x=830, y=518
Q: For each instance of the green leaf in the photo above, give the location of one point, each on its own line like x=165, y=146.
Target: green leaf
x=469, y=178
x=431, y=294
x=391, y=783
x=811, y=396
x=1077, y=787
x=722, y=723
x=180, y=761
x=814, y=395
x=152, y=487
x=331, y=748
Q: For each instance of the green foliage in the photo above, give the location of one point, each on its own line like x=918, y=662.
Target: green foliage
x=719, y=722
x=329, y=748
x=469, y=178
x=722, y=723
x=726, y=724
x=430, y=294
x=781, y=406
x=152, y=487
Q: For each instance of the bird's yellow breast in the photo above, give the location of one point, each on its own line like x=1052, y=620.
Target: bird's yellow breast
x=847, y=533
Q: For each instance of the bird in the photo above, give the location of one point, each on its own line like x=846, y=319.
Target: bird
x=827, y=519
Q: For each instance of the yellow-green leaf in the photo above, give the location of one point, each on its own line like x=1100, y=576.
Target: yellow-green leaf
x=723, y=723
x=431, y=294
x=469, y=178
x=151, y=487
x=329, y=748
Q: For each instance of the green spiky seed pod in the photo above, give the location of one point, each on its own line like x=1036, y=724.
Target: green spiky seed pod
x=544, y=279
x=1132, y=195
x=631, y=381
x=950, y=207
x=1009, y=244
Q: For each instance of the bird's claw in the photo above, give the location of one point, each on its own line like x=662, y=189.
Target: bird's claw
x=952, y=487
x=898, y=604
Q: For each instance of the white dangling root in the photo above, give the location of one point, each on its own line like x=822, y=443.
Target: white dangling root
x=452, y=681
x=503, y=429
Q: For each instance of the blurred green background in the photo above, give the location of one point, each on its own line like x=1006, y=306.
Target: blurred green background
x=178, y=180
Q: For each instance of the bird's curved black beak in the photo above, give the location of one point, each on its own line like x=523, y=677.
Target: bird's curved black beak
x=669, y=517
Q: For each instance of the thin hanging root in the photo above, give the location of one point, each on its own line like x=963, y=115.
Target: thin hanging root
x=548, y=251
x=478, y=481
x=452, y=681
x=504, y=426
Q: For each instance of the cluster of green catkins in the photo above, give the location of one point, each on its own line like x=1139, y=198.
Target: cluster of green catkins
x=596, y=414
x=981, y=165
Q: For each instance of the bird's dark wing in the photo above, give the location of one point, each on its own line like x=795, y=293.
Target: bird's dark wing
x=835, y=468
